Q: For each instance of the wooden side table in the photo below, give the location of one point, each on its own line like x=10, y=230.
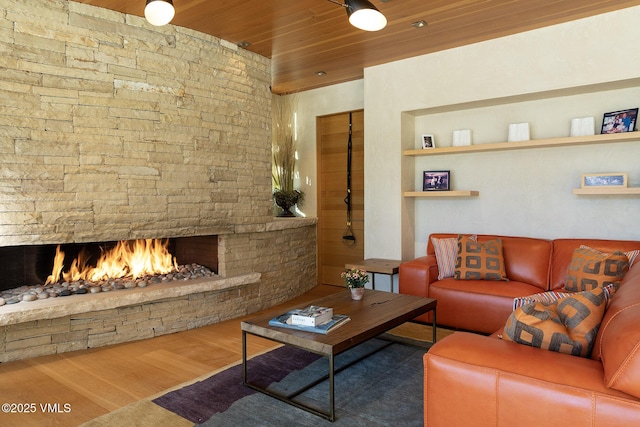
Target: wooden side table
x=375, y=266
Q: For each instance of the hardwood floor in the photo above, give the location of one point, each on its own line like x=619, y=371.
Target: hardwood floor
x=71, y=388
x=89, y=383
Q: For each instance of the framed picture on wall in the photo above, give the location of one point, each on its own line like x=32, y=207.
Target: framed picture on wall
x=591, y=180
x=620, y=121
x=428, y=141
x=436, y=181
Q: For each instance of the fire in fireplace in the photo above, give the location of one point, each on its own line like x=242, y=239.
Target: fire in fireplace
x=43, y=271
x=132, y=259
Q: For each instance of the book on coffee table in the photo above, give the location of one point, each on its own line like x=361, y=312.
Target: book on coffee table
x=311, y=316
x=284, y=321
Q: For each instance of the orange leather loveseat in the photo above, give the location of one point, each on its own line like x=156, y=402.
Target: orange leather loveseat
x=478, y=380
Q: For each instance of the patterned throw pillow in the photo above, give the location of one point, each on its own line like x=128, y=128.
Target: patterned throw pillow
x=569, y=325
x=632, y=255
x=550, y=297
x=590, y=269
x=446, y=250
x=479, y=261
x=544, y=297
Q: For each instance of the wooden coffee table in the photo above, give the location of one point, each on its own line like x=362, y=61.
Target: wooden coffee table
x=376, y=313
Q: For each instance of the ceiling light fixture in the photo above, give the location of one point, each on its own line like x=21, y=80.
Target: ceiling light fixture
x=419, y=24
x=363, y=15
x=159, y=12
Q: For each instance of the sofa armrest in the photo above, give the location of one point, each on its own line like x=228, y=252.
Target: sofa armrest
x=478, y=380
x=415, y=276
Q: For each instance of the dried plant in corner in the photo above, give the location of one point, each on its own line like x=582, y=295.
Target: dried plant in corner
x=284, y=154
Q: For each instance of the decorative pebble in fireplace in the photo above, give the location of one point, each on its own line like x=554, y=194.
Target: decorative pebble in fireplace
x=35, y=292
x=128, y=265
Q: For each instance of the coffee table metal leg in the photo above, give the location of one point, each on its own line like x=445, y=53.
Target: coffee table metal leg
x=244, y=357
x=433, y=325
x=332, y=405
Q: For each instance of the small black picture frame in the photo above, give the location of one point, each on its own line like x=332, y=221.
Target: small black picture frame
x=436, y=181
x=619, y=121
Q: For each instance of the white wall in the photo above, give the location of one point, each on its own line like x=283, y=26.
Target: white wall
x=312, y=104
x=525, y=192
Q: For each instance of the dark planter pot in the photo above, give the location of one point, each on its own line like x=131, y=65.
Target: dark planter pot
x=286, y=200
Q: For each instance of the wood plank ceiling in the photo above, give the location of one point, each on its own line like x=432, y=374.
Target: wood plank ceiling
x=303, y=37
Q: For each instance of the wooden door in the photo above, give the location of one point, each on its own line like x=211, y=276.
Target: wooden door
x=334, y=251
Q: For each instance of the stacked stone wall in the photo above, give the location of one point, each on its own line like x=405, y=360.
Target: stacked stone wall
x=284, y=254
x=113, y=129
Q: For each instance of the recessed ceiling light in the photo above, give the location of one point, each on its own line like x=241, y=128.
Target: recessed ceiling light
x=419, y=24
x=321, y=73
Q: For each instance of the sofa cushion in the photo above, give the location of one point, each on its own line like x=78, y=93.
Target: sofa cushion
x=526, y=259
x=568, y=325
x=477, y=305
x=446, y=250
x=479, y=261
x=590, y=268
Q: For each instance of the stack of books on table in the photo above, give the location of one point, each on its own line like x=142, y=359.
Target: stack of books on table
x=311, y=316
x=316, y=319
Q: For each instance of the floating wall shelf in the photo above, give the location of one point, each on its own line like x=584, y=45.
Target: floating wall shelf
x=534, y=143
x=607, y=191
x=455, y=193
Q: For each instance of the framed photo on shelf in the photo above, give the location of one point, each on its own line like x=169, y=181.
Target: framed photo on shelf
x=620, y=121
x=591, y=180
x=428, y=141
x=436, y=181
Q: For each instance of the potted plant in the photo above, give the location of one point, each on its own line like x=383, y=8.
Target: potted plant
x=355, y=279
x=283, y=149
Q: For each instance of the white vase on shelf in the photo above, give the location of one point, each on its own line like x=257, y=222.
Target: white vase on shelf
x=461, y=138
x=518, y=132
x=583, y=126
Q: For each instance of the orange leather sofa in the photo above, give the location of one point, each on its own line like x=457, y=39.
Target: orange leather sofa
x=478, y=380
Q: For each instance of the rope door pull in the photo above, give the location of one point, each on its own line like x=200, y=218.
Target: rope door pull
x=348, y=237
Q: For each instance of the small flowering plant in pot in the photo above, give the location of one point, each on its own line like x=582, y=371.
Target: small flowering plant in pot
x=355, y=279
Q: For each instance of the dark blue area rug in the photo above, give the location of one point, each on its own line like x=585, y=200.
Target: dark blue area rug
x=199, y=401
x=384, y=389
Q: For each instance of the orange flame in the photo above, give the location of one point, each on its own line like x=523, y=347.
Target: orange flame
x=127, y=259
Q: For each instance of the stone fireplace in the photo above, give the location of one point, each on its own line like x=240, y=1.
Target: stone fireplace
x=259, y=277
x=112, y=131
